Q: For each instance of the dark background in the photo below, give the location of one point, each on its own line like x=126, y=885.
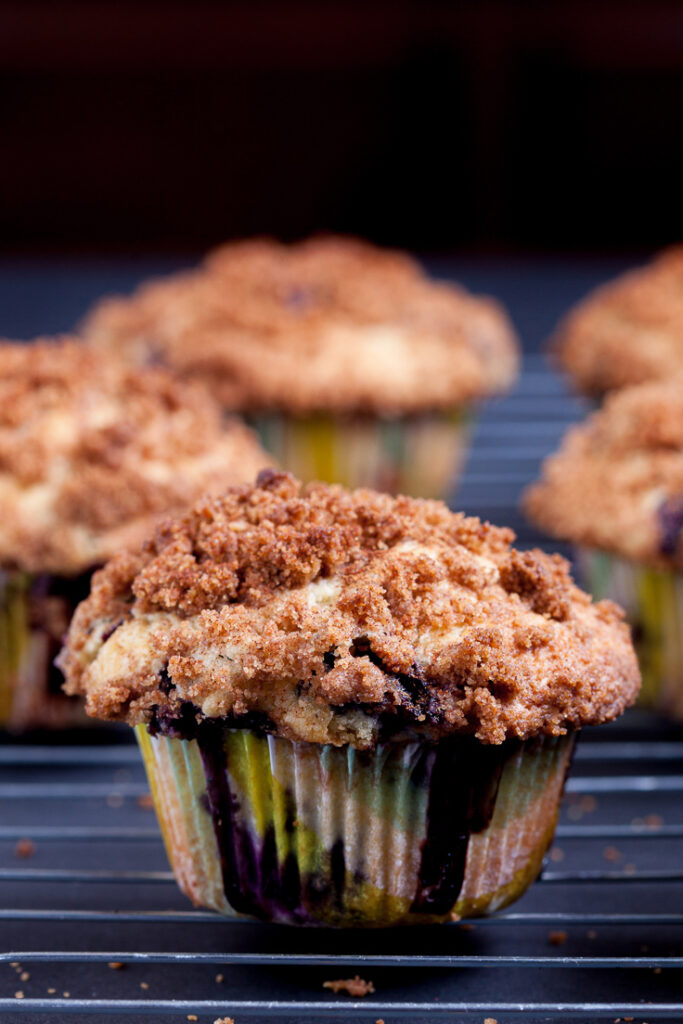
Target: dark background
x=490, y=126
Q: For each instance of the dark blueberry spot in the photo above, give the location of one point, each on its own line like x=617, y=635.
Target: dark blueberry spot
x=258, y=721
x=180, y=724
x=166, y=684
x=329, y=659
x=110, y=630
x=670, y=514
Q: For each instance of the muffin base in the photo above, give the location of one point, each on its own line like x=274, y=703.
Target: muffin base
x=421, y=455
x=34, y=615
x=653, y=601
x=409, y=833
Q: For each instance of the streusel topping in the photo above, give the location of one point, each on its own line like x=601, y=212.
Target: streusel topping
x=93, y=453
x=629, y=331
x=328, y=324
x=328, y=613
x=617, y=481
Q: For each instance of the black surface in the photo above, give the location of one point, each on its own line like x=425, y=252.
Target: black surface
x=98, y=885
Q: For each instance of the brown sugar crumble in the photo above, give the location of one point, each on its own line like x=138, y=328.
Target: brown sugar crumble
x=93, y=453
x=373, y=331
x=325, y=609
x=356, y=986
x=24, y=848
x=224, y=1020
x=115, y=965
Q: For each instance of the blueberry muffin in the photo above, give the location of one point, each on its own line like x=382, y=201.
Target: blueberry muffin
x=628, y=331
x=355, y=710
x=92, y=454
x=615, y=490
x=355, y=367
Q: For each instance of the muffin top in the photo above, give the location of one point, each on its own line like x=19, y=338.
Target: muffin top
x=330, y=324
x=617, y=481
x=340, y=617
x=629, y=331
x=93, y=452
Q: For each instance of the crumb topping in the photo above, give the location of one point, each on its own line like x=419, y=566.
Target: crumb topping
x=329, y=615
x=93, y=452
x=617, y=481
x=327, y=324
x=628, y=331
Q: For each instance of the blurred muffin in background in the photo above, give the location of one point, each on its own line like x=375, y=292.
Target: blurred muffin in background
x=375, y=699
x=628, y=331
x=355, y=367
x=615, y=489
x=92, y=453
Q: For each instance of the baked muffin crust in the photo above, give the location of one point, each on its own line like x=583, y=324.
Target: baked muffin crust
x=328, y=324
x=93, y=452
x=617, y=481
x=326, y=614
x=628, y=331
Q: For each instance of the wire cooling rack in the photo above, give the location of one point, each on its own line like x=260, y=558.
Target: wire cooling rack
x=93, y=927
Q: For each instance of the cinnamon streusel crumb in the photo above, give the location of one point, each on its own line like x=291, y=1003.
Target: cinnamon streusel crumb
x=328, y=324
x=324, y=613
x=617, y=481
x=627, y=331
x=93, y=453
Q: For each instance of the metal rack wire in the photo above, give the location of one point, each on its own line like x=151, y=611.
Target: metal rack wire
x=599, y=937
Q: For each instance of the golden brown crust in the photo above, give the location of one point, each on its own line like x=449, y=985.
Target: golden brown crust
x=328, y=324
x=325, y=610
x=93, y=453
x=628, y=331
x=617, y=481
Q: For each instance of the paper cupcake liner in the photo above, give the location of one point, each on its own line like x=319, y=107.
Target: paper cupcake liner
x=409, y=833
x=653, y=602
x=421, y=455
x=34, y=614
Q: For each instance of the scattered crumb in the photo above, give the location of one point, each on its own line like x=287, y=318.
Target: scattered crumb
x=66, y=994
x=144, y=984
x=18, y=995
x=588, y=804
x=643, y=949
x=51, y=991
x=379, y=1022
x=192, y=1016
x=115, y=965
x=24, y=976
x=575, y=813
x=630, y=869
x=15, y=964
x=629, y=1018
x=611, y=854
x=353, y=986
x=654, y=820
x=145, y=801
x=592, y=934
x=467, y=927
x=24, y=848
x=490, y=1020
x=556, y=854
x=658, y=970
x=224, y=1020
x=219, y=978
x=557, y=938
x=114, y=800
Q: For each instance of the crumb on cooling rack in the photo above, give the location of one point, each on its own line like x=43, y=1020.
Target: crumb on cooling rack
x=611, y=854
x=557, y=938
x=352, y=986
x=556, y=854
x=224, y=1020
x=592, y=934
x=24, y=848
x=490, y=1020
x=144, y=984
x=145, y=801
x=51, y=991
x=24, y=976
x=630, y=869
x=18, y=995
x=115, y=965
x=219, y=978
x=192, y=1016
